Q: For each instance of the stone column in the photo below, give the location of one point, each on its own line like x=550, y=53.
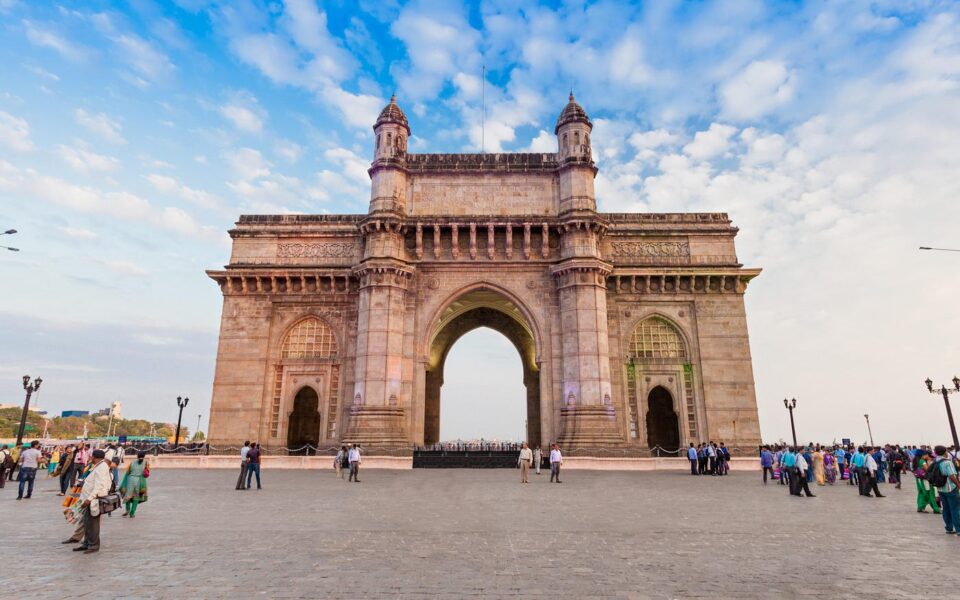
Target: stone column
x=377, y=416
x=587, y=414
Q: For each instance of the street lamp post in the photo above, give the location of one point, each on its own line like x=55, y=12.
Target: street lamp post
x=30, y=389
x=790, y=405
x=870, y=431
x=182, y=403
x=946, y=400
x=198, y=427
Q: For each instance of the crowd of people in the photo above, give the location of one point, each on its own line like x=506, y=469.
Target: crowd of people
x=709, y=459
x=88, y=478
x=934, y=471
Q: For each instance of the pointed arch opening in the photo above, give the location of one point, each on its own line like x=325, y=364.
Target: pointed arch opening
x=303, y=430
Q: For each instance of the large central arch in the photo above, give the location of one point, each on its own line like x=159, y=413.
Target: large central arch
x=481, y=307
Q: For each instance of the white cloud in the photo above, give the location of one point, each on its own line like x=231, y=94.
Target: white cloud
x=350, y=164
x=288, y=150
x=544, y=142
x=143, y=57
x=359, y=110
x=170, y=185
x=710, y=143
x=15, y=133
x=653, y=139
x=760, y=88
x=125, y=267
x=79, y=233
x=248, y=163
x=40, y=36
x=85, y=161
x=244, y=112
x=100, y=124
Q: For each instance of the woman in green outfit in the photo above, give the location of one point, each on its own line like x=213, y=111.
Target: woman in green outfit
x=133, y=488
x=926, y=494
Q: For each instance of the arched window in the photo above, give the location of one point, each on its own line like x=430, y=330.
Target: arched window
x=576, y=141
x=656, y=337
x=565, y=141
x=310, y=338
x=378, y=142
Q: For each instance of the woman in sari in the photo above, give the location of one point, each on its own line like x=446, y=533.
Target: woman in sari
x=133, y=488
x=818, y=466
x=926, y=495
x=830, y=467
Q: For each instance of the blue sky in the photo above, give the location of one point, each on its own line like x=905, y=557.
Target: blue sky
x=132, y=134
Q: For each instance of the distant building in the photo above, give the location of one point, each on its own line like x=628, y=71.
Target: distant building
x=74, y=413
x=32, y=409
x=112, y=411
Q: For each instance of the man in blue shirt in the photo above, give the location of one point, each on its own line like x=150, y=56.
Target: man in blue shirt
x=949, y=496
x=766, y=463
x=692, y=457
x=789, y=465
x=856, y=468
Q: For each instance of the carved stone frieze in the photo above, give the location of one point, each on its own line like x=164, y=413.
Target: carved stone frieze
x=651, y=248
x=321, y=250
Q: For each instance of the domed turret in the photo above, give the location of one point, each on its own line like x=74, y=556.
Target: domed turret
x=392, y=131
x=573, y=133
x=572, y=113
x=392, y=113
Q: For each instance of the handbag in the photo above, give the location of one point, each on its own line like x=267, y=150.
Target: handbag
x=110, y=503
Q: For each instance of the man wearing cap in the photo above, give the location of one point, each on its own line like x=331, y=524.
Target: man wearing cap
x=95, y=486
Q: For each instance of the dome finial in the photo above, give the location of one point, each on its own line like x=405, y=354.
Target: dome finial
x=393, y=98
x=571, y=96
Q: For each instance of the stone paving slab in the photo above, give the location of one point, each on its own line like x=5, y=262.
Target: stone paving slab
x=480, y=534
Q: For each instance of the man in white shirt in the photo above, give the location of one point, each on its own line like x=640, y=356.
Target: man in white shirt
x=556, y=460
x=29, y=462
x=870, y=467
x=801, y=474
x=95, y=486
x=243, y=465
x=526, y=457
x=537, y=458
x=354, y=457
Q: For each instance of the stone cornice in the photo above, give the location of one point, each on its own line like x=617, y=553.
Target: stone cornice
x=493, y=162
x=269, y=281
x=680, y=281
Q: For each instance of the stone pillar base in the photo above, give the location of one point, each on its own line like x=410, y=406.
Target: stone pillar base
x=589, y=427
x=376, y=426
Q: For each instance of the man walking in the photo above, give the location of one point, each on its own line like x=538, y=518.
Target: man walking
x=355, y=459
x=766, y=463
x=870, y=475
x=6, y=463
x=556, y=461
x=692, y=457
x=537, y=458
x=949, y=496
x=243, y=464
x=15, y=455
x=800, y=473
x=526, y=457
x=29, y=462
x=788, y=468
x=253, y=465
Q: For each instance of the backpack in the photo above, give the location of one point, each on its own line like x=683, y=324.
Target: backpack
x=934, y=475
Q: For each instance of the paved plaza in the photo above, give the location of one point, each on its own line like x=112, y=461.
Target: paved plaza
x=479, y=533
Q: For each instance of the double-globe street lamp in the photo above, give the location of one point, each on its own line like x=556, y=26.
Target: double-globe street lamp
x=946, y=400
x=30, y=389
x=9, y=232
x=182, y=403
x=790, y=405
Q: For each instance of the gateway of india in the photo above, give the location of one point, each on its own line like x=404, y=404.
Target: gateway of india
x=630, y=326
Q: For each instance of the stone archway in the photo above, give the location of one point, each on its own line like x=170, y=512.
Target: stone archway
x=481, y=308
x=663, y=428
x=303, y=427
